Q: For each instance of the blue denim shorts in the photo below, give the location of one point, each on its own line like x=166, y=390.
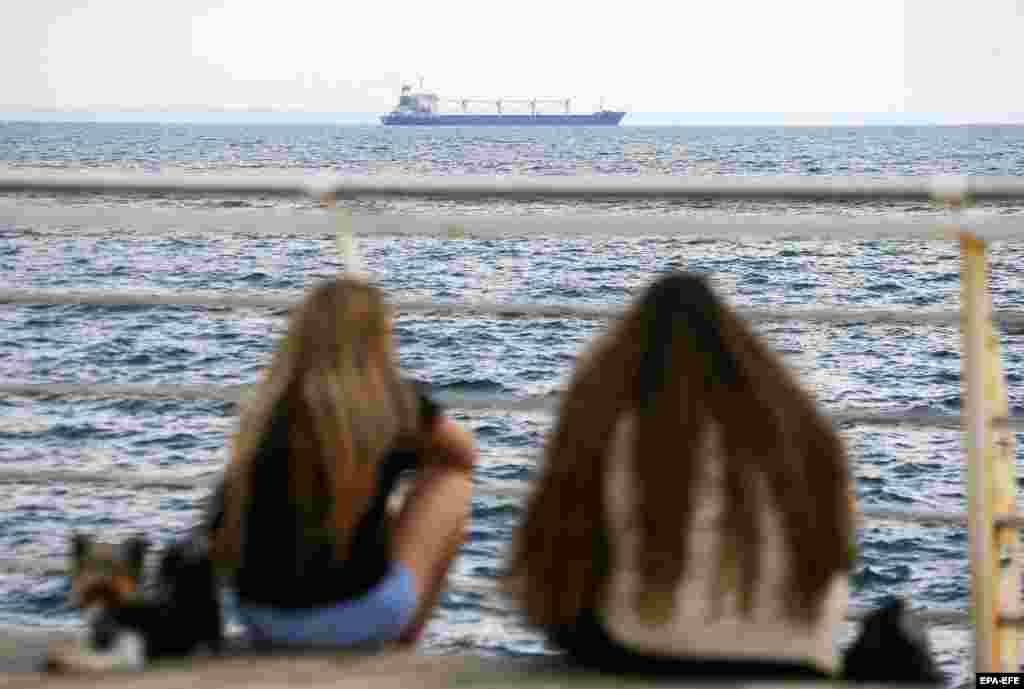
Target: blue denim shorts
x=379, y=615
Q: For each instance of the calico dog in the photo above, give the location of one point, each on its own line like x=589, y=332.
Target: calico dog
x=129, y=624
x=892, y=648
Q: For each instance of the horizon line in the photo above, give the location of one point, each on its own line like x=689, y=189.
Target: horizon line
x=666, y=118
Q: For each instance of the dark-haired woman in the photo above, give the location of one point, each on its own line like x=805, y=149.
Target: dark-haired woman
x=693, y=516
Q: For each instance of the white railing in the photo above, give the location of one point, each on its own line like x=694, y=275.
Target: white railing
x=645, y=220
x=991, y=518
x=241, y=300
x=946, y=189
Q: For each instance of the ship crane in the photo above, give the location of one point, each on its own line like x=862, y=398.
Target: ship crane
x=498, y=102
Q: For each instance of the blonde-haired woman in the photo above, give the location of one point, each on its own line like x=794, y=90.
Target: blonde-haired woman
x=301, y=523
x=693, y=516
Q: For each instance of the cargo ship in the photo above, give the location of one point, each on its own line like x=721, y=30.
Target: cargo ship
x=422, y=109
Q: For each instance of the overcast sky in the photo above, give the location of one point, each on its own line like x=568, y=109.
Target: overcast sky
x=654, y=56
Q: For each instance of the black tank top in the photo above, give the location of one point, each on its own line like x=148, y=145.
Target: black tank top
x=283, y=564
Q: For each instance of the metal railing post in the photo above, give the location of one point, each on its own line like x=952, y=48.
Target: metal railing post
x=344, y=236
x=981, y=535
x=1001, y=457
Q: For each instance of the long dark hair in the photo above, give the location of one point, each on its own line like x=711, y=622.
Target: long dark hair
x=688, y=370
x=330, y=406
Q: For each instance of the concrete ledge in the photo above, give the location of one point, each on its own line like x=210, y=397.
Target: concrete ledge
x=21, y=652
x=385, y=670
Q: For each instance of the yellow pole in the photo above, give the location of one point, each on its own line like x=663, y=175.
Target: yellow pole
x=975, y=327
x=1001, y=456
x=344, y=237
x=345, y=240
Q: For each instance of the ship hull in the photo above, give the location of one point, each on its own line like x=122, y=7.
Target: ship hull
x=603, y=118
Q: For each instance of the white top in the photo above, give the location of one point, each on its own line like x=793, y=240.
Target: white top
x=693, y=630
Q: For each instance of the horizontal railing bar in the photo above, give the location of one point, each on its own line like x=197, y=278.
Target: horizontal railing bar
x=324, y=224
x=222, y=393
x=720, y=187
x=36, y=566
x=823, y=188
x=205, y=185
x=936, y=617
x=919, y=420
x=538, y=403
x=937, y=517
x=284, y=300
x=948, y=617
x=35, y=476
x=913, y=420
x=915, y=516
x=140, y=297
x=944, y=617
x=120, y=479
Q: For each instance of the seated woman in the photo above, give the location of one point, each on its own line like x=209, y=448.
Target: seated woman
x=694, y=513
x=301, y=524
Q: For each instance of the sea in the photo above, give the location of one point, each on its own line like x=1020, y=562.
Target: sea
x=849, y=366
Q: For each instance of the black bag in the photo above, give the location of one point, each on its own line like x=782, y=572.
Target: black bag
x=892, y=648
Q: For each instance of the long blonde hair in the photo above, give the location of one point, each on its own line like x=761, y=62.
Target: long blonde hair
x=679, y=361
x=334, y=383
